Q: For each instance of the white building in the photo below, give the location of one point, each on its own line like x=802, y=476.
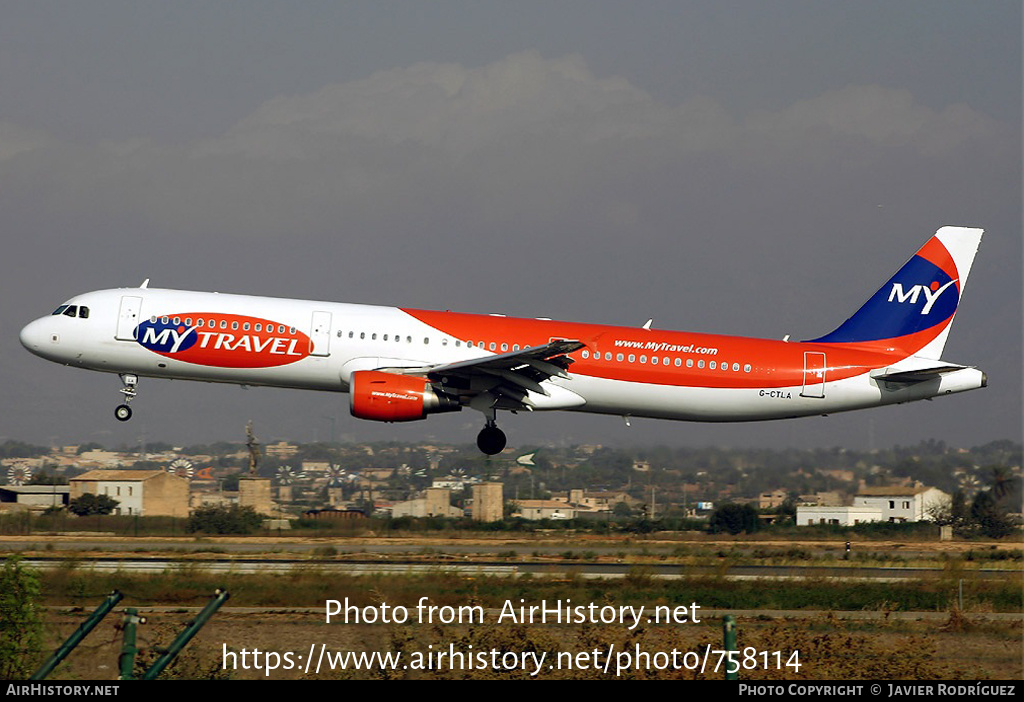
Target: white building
x=141, y=492
x=842, y=516
x=546, y=509
x=901, y=504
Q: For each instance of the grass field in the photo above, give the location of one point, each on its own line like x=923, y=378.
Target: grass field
x=916, y=630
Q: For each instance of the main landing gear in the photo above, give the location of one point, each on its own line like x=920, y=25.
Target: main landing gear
x=491, y=439
x=124, y=412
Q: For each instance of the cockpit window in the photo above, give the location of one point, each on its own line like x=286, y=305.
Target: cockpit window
x=71, y=311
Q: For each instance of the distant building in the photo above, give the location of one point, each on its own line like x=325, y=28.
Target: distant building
x=876, y=504
x=335, y=515
x=545, y=509
x=144, y=492
x=771, y=500
x=488, y=502
x=901, y=504
x=315, y=466
x=34, y=496
x=826, y=499
x=840, y=516
x=603, y=501
x=435, y=502
x=282, y=449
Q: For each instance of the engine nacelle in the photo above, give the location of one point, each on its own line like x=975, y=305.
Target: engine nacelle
x=389, y=397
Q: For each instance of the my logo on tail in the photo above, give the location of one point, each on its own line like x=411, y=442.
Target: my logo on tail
x=931, y=294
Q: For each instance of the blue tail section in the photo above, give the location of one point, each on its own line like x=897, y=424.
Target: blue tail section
x=912, y=312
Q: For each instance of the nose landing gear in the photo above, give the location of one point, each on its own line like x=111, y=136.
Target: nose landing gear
x=491, y=439
x=123, y=412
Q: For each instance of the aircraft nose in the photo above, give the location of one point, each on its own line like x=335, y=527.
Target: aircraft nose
x=35, y=337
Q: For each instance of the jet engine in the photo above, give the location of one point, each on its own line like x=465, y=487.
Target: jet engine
x=389, y=397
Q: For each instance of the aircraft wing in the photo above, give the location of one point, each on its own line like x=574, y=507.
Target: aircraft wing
x=506, y=377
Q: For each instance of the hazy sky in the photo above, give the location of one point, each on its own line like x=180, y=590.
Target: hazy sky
x=732, y=167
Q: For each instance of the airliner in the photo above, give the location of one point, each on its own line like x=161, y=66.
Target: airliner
x=400, y=364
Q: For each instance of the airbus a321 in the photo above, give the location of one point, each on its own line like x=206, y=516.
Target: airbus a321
x=401, y=364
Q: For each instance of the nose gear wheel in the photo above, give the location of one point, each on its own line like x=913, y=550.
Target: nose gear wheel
x=123, y=412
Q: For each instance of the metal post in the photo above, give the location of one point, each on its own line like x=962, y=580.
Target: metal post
x=76, y=638
x=126, y=661
x=729, y=634
x=184, y=637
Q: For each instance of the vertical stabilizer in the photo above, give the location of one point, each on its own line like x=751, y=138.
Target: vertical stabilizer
x=914, y=310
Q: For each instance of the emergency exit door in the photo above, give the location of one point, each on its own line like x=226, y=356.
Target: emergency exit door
x=320, y=334
x=814, y=374
x=128, y=318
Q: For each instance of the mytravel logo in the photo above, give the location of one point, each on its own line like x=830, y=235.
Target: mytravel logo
x=929, y=294
x=223, y=340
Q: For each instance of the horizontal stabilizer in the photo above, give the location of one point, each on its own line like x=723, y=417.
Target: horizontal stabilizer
x=916, y=375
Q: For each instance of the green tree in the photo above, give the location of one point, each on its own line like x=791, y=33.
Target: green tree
x=733, y=518
x=21, y=627
x=991, y=519
x=221, y=519
x=89, y=504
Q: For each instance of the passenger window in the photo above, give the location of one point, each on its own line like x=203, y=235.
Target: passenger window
x=713, y=365
x=700, y=364
x=586, y=354
x=689, y=363
x=679, y=362
x=746, y=368
x=643, y=359
x=607, y=355
x=632, y=358
x=618, y=357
